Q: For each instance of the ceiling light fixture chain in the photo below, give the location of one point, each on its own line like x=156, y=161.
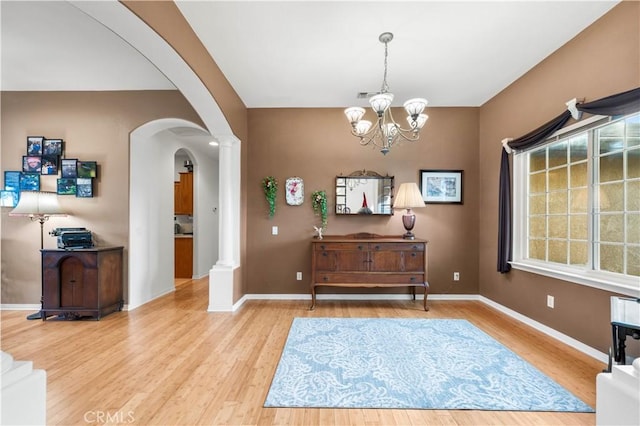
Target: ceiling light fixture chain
x=385, y=38
x=387, y=132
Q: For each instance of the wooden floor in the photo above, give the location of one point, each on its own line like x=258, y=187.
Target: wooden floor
x=170, y=362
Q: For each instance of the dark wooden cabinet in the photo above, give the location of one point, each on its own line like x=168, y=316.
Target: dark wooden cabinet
x=183, y=257
x=82, y=282
x=358, y=260
x=183, y=194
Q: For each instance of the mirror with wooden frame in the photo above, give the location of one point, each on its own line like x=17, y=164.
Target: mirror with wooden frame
x=364, y=193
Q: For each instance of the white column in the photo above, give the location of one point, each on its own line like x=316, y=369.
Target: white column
x=221, y=276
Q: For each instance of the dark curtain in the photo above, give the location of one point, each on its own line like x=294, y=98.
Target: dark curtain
x=504, y=215
x=538, y=135
x=529, y=140
x=618, y=104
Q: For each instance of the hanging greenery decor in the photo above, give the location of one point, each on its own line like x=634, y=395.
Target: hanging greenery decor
x=270, y=186
x=319, y=203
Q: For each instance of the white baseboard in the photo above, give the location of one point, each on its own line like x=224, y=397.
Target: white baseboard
x=576, y=344
x=20, y=307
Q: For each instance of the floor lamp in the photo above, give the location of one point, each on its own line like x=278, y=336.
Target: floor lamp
x=408, y=197
x=39, y=206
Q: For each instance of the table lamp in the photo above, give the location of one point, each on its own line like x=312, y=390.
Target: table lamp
x=38, y=206
x=408, y=197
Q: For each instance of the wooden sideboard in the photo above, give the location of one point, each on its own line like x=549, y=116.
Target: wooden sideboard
x=369, y=260
x=82, y=282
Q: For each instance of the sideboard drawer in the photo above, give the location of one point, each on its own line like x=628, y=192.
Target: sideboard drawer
x=341, y=246
x=371, y=278
x=396, y=247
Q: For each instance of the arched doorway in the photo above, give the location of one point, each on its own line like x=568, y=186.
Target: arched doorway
x=151, y=176
x=125, y=24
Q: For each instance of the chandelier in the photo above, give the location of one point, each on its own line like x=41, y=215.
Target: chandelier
x=386, y=132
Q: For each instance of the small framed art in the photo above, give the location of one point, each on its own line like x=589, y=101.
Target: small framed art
x=52, y=147
x=31, y=163
x=84, y=187
x=294, y=187
x=66, y=186
x=49, y=165
x=9, y=198
x=12, y=180
x=68, y=167
x=87, y=169
x=441, y=186
x=30, y=182
x=34, y=145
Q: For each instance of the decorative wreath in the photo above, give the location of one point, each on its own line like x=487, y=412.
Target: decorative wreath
x=319, y=203
x=270, y=186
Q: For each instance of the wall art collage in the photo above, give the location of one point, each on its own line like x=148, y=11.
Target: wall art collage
x=44, y=157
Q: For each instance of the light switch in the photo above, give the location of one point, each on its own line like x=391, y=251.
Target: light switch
x=274, y=230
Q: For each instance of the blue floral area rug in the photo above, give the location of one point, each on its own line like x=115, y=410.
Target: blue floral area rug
x=408, y=363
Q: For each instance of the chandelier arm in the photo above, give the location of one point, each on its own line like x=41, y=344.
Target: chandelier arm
x=412, y=137
x=372, y=137
x=402, y=131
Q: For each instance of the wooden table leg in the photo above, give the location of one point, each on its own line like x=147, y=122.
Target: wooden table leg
x=313, y=298
x=426, y=292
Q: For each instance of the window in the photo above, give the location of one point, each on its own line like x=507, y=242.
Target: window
x=577, y=205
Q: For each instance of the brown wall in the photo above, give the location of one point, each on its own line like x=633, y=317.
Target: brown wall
x=94, y=126
x=602, y=60
x=315, y=144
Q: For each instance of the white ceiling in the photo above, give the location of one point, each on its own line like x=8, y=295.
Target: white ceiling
x=305, y=53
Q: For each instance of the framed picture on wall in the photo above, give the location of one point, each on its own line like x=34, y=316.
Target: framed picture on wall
x=66, y=186
x=68, y=167
x=84, y=187
x=52, y=147
x=31, y=163
x=49, y=165
x=441, y=186
x=34, y=145
x=30, y=182
x=9, y=198
x=12, y=180
x=87, y=169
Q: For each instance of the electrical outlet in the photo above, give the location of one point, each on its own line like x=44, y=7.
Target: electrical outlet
x=456, y=276
x=274, y=230
x=550, y=301
x=299, y=276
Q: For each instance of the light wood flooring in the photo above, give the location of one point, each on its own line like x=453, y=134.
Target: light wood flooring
x=170, y=362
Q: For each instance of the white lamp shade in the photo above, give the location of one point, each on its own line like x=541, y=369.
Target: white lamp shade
x=354, y=114
x=380, y=102
x=37, y=203
x=362, y=127
x=419, y=123
x=415, y=106
x=390, y=130
x=408, y=197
